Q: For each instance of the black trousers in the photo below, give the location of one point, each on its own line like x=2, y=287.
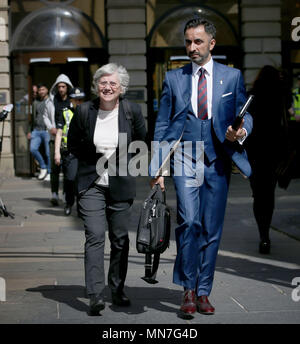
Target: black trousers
x=99, y=212
x=69, y=167
x=263, y=183
x=55, y=170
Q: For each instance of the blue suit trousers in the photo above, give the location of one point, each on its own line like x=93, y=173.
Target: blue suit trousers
x=201, y=211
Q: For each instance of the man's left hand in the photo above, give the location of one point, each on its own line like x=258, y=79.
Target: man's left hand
x=234, y=135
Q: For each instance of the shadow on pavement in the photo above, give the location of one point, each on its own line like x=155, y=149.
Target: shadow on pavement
x=54, y=212
x=44, y=201
x=259, y=271
x=67, y=294
x=160, y=299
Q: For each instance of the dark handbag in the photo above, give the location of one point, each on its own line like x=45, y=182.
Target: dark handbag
x=153, y=234
x=285, y=170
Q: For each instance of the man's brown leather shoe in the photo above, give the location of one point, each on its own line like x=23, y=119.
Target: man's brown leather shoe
x=204, y=306
x=188, y=305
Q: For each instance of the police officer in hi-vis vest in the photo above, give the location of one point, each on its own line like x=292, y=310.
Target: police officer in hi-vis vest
x=296, y=102
x=68, y=160
x=294, y=126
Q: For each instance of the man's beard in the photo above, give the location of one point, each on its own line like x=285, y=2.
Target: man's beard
x=199, y=59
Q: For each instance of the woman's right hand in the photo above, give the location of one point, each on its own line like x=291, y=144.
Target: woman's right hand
x=57, y=158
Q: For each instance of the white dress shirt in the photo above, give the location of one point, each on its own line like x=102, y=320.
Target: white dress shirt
x=208, y=70
x=106, y=137
x=208, y=67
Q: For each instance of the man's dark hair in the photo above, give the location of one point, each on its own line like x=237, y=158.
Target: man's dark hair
x=209, y=27
x=42, y=84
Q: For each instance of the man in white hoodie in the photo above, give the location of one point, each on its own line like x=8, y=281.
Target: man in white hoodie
x=59, y=93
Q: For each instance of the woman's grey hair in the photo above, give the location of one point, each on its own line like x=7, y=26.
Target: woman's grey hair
x=109, y=69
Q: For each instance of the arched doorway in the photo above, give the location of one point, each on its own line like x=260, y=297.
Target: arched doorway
x=165, y=47
x=46, y=43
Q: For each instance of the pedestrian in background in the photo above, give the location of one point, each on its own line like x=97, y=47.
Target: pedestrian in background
x=296, y=102
x=60, y=95
x=294, y=127
x=39, y=134
x=62, y=155
x=266, y=146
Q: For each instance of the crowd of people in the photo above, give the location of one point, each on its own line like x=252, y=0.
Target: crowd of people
x=51, y=116
x=199, y=102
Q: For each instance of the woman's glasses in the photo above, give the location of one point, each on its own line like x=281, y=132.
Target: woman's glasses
x=113, y=85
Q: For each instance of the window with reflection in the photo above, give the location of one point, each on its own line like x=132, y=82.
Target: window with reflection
x=20, y=9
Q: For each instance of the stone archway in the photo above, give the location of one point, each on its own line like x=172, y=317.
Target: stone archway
x=165, y=47
x=52, y=39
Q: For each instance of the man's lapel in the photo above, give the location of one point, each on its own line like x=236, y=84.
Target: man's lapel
x=218, y=87
x=185, y=82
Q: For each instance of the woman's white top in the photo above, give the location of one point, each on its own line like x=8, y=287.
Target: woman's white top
x=106, y=139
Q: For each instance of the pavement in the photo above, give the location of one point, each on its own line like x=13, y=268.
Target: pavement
x=42, y=264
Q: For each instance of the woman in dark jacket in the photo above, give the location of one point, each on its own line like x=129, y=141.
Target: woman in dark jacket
x=265, y=147
x=105, y=197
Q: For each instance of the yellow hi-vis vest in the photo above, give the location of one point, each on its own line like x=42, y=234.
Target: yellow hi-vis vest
x=296, y=103
x=68, y=115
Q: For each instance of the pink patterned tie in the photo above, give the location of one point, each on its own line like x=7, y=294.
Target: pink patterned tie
x=202, y=95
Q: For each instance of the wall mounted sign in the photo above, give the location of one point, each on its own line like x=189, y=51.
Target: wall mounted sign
x=56, y=2
x=135, y=95
x=3, y=97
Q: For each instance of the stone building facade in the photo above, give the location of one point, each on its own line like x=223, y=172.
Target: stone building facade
x=139, y=34
x=7, y=159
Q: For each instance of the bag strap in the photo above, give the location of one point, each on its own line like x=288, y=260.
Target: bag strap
x=151, y=269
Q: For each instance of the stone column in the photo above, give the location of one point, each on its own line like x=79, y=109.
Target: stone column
x=7, y=160
x=261, y=34
x=126, y=21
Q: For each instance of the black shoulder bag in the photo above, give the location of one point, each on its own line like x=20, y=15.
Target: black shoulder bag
x=153, y=234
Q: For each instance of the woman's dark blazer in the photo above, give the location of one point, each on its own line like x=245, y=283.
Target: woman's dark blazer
x=81, y=144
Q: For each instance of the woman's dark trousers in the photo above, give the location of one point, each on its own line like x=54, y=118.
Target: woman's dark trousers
x=99, y=213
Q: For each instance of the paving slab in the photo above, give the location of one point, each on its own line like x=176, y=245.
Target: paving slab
x=42, y=262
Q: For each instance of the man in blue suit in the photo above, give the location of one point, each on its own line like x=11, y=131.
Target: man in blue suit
x=199, y=102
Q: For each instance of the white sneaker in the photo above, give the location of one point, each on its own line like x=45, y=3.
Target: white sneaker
x=47, y=178
x=43, y=174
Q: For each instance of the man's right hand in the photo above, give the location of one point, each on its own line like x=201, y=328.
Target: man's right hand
x=29, y=136
x=159, y=180
x=53, y=131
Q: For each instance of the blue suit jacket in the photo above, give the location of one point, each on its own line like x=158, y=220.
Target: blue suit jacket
x=176, y=99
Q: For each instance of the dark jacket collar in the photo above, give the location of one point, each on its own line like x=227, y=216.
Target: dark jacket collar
x=93, y=113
